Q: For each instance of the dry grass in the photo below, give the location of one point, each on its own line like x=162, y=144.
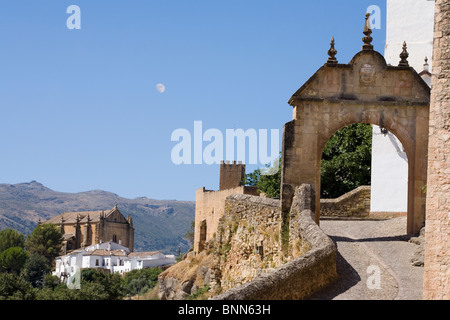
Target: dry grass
x=189, y=268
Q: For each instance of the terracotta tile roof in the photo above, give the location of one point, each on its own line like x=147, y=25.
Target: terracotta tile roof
x=120, y=253
x=98, y=252
x=71, y=217
x=104, y=252
x=143, y=254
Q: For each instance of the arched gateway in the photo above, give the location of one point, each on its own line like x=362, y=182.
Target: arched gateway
x=366, y=90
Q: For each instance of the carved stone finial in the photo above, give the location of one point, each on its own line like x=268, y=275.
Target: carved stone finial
x=367, y=32
x=404, y=57
x=426, y=66
x=332, y=53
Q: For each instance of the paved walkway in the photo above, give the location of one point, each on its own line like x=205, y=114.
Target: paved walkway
x=373, y=261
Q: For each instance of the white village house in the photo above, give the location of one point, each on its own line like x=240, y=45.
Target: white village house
x=109, y=256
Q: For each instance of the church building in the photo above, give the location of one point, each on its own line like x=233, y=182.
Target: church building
x=82, y=229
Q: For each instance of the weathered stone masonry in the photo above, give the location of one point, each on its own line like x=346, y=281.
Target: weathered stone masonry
x=366, y=90
x=248, y=240
x=437, y=233
x=210, y=205
x=303, y=275
x=355, y=203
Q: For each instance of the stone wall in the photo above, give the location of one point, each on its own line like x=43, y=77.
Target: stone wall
x=437, y=231
x=355, y=203
x=248, y=241
x=306, y=272
x=209, y=208
x=231, y=175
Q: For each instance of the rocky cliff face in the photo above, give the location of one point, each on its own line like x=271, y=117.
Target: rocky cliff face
x=186, y=277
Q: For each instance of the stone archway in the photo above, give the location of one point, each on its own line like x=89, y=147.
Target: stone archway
x=366, y=90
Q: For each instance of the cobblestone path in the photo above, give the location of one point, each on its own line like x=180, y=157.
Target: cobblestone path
x=374, y=261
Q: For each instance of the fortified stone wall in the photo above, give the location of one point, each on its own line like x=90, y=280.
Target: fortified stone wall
x=248, y=240
x=209, y=208
x=437, y=231
x=305, y=273
x=210, y=205
x=231, y=175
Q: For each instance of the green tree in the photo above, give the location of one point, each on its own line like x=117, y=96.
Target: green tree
x=11, y=238
x=14, y=287
x=139, y=281
x=267, y=180
x=346, y=164
x=346, y=160
x=54, y=289
x=99, y=285
x=12, y=259
x=45, y=240
x=51, y=281
x=59, y=292
x=35, y=269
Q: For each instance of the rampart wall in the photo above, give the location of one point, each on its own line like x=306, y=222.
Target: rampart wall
x=306, y=272
x=437, y=231
x=209, y=208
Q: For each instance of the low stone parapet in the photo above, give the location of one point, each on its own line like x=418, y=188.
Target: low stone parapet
x=302, y=276
x=355, y=203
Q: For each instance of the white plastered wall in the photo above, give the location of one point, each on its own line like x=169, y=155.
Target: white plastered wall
x=411, y=21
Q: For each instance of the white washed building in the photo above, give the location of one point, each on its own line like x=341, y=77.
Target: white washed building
x=108, y=256
x=409, y=21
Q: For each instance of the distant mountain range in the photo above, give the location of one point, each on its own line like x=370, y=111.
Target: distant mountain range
x=159, y=224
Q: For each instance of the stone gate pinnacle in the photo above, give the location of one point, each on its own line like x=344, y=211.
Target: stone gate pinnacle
x=367, y=32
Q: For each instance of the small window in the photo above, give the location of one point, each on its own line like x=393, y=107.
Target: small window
x=96, y=262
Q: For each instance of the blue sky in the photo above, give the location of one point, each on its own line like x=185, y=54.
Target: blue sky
x=79, y=108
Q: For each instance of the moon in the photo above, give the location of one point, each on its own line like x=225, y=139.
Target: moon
x=160, y=88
